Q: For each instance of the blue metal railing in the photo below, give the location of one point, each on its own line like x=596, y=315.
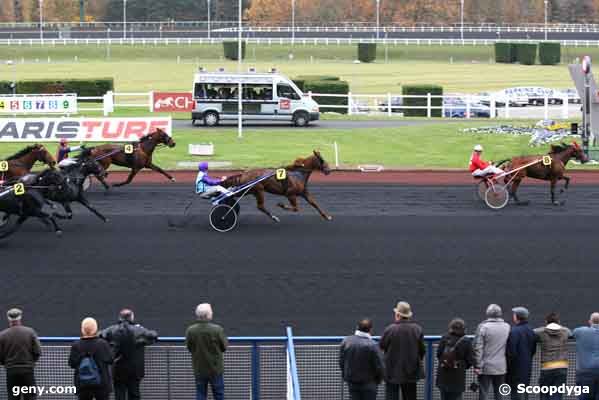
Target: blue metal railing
x=295, y=386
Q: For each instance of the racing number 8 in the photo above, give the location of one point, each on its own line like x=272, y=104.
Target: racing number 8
x=547, y=160
x=281, y=174
x=128, y=149
x=19, y=189
x=3, y=166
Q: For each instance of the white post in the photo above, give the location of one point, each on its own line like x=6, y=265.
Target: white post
x=565, y=106
x=462, y=19
x=546, y=106
x=389, y=110
x=208, y=18
x=546, y=18
x=468, y=106
x=108, y=103
x=151, y=101
x=41, y=10
x=349, y=104
x=239, y=88
x=493, y=105
x=336, y=154
x=378, y=18
x=507, y=107
x=310, y=94
x=292, y=22
x=428, y=105
x=124, y=19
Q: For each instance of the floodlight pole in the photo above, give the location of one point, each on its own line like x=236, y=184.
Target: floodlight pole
x=124, y=19
x=41, y=8
x=586, y=115
x=378, y=18
x=462, y=19
x=239, y=88
x=546, y=18
x=292, y=22
x=208, y=19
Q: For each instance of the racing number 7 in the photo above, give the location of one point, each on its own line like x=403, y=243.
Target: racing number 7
x=281, y=174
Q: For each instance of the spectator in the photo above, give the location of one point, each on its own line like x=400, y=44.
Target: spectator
x=403, y=345
x=553, y=339
x=521, y=348
x=128, y=341
x=361, y=362
x=489, y=352
x=455, y=355
x=91, y=358
x=207, y=342
x=19, y=351
x=587, y=357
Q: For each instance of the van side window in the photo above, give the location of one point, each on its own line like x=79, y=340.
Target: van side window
x=287, y=91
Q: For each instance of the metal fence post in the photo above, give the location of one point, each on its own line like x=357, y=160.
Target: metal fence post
x=255, y=371
x=430, y=368
x=349, y=104
x=389, y=111
x=428, y=105
x=546, y=106
x=468, y=106
x=565, y=106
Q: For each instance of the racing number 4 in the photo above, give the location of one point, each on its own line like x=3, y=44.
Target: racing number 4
x=128, y=149
x=281, y=174
x=19, y=189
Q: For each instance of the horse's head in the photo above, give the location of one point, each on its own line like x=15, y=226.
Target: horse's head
x=578, y=152
x=89, y=165
x=163, y=137
x=317, y=163
x=50, y=177
x=42, y=154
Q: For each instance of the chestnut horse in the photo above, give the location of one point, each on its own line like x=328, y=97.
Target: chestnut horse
x=295, y=184
x=20, y=163
x=560, y=155
x=141, y=157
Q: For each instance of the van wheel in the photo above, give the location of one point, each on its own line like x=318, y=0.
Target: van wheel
x=301, y=119
x=211, y=118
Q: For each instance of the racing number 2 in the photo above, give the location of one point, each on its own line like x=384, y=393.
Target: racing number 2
x=19, y=189
x=281, y=174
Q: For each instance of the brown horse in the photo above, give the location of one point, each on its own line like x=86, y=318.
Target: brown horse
x=560, y=155
x=293, y=185
x=140, y=158
x=20, y=163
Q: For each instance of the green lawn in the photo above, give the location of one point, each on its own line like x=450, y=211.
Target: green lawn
x=144, y=68
x=425, y=146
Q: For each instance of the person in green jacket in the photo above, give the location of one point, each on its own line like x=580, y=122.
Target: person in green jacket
x=207, y=343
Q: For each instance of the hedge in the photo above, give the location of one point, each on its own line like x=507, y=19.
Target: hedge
x=230, y=50
x=82, y=87
x=301, y=80
x=329, y=87
x=422, y=90
x=550, y=53
x=366, y=52
x=526, y=53
x=503, y=53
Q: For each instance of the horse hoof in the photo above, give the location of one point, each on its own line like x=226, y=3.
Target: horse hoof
x=329, y=217
x=275, y=218
x=58, y=233
x=173, y=180
x=281, y=205
x=106, y=220
x=70, y=216
x=559, y=203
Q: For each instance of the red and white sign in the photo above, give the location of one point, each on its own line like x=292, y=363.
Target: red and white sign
x=80, y=129
x=285, y=104
x=172, y=102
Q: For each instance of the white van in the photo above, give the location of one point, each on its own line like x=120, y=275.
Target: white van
x=266, y=97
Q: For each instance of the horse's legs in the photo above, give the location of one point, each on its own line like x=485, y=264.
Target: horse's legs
x=513, y=189
x=156, y=168
x=129, y=178
x=308, y=197
x=47, y=218
x=68, y=209
x=259, y=194
x=83, y=201
x=553, y=200
x=293, y=201
x=102, y=180
x=567, y=185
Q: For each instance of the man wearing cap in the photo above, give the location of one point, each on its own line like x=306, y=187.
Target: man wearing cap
x=587, y=357
x=480, y=168
x=403, y=345
x=128, y=340
x=19, y=351
x=490, y=343
x=207, y=186
x=521, y=348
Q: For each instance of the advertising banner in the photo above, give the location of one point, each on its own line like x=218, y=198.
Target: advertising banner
x=80, y=129
x=172, y=102
x=43, y=104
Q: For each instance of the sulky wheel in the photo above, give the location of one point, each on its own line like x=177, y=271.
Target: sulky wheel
x=497, y=197
x=232, y=202
x=223, y=218
x=480, y=189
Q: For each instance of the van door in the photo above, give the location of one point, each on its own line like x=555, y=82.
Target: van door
x=288, y=101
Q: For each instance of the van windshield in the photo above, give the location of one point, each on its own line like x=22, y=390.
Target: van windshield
x=286, y=91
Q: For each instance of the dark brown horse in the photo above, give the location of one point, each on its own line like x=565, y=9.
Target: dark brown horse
x=140, y=158
x=293, y=185
x=20, y=163
x=554, y=172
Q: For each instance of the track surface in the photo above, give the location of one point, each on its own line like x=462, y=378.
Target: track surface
x=432, y=246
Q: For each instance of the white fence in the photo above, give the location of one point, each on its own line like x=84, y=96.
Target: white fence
x=560, y=106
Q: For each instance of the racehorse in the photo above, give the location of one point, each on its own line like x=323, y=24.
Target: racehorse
x=560, y=155
x=20, y=163
x=140, y=158
x=70, y=188
x=295, y=184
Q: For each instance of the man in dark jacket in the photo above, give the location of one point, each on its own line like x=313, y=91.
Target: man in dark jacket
x=521, y=348
x=128, y=341
x=90, y=346
x=19, y=351
x=455, y=355
x=207, y=343
x=403, y=345
x=361, y=362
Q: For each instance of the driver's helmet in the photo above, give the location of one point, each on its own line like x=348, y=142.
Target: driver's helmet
x=203, y=166
x=64, y=142
x=478, y=148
